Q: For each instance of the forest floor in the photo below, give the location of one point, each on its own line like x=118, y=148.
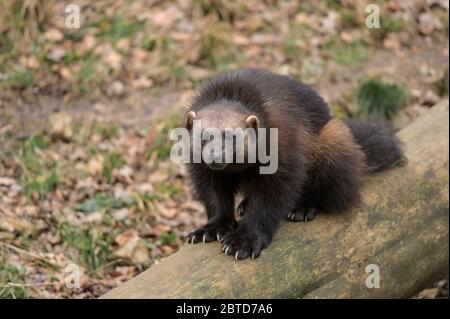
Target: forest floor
x=85, y=174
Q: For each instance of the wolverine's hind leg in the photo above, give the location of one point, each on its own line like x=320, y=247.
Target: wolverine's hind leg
x=336, y=174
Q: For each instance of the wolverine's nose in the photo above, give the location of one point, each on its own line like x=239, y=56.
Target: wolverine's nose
x=216, y=160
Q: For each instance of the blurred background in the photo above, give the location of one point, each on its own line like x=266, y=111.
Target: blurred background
x=85, y=176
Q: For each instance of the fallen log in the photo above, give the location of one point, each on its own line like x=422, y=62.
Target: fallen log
x=401, y=227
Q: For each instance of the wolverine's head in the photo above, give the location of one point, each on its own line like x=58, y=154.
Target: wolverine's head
x=227, y=134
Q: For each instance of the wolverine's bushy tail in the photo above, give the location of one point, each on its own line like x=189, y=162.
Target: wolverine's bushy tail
x=379, y=143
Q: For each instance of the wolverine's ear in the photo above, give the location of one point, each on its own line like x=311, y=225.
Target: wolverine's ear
x=252, y=121
x=189, y=121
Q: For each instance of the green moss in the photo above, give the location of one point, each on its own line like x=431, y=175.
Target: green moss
x=148, y=42
x=103, y=202
x=167, y=238
x=377, y=99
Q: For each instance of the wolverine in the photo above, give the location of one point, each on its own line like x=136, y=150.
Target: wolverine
x=322, y=161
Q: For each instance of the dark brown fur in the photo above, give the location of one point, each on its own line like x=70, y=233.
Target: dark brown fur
x=322, y=161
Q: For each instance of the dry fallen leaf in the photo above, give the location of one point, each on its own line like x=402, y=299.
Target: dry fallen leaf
x=124, y=237
x=54, y=35
x=95, y=166
x=7, y=181
x=60, y=126
x=121, y=214
x=166, y=211
x=56, y=54
x=133, y=248
x=19, y=225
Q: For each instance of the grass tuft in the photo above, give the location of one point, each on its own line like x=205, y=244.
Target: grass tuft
x=161, y=146
x=117, y=27
x=217, y=49
x=36, y=179
x=90, y=247
x=380, y=100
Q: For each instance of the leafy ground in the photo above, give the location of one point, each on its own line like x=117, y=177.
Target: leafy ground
x=84, y=114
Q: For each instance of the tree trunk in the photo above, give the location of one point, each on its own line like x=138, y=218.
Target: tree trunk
x=401, y=226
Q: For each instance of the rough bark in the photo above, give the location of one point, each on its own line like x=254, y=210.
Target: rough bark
x=401, y=226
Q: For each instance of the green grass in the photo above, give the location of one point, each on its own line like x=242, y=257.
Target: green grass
x=17, y=78
x=11, y=274
x=90, y=75
x=145, y=203
x=117, y=27
x=84, y=131
x=111, y=161
x=224, y=10
x=40, y=184
x=217, y=49
x=345, y=53
x=173, y=65
x=92, y=245
x=348, y=18
x=388, y=24
x=29, y=158
x=22, y=78
x=162, y=145
x=8, y=51
x=37, y=178
x=290, y=49
x=380, y=100
x=168, y=190
x=106, y=130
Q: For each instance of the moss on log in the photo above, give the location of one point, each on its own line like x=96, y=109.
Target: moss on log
x=401, y=226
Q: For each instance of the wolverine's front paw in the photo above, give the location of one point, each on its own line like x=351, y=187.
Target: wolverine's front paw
x=245, y=243
x=213, y=230
x=302, y=215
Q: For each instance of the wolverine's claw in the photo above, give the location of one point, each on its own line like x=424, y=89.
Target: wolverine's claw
x=236, y=255
x=226, y=250
x=253, y=256
x=218, y=237
x=204, y=238
x=193, y=239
